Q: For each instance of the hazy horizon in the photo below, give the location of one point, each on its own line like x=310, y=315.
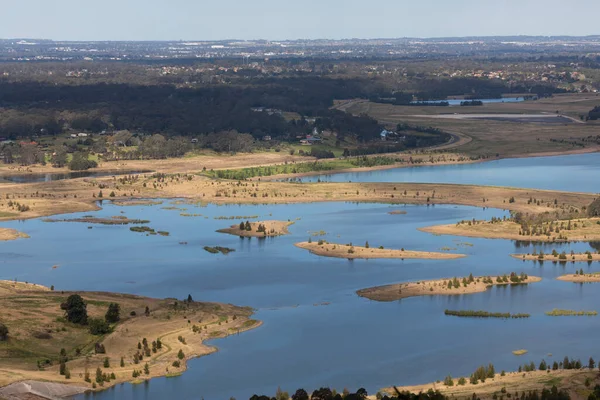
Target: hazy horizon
x=154, y=20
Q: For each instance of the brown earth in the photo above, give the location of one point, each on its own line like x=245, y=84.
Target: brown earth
x=352, y=252
x=431, y=288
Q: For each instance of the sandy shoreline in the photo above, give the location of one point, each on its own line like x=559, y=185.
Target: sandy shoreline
x=11, y=234
x=435, y=287
x=357, y=252
x=579, y=278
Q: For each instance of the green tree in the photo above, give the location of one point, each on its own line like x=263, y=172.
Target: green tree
x=106, y=362
x=146, y=369
x=113, y=313
x=180, y=354
x=75, y=309
x=122, y=362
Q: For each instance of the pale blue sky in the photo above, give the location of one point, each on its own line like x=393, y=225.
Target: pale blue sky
x=295, y=19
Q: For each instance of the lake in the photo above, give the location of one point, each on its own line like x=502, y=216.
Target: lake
x=351, y=341
x=573, y=173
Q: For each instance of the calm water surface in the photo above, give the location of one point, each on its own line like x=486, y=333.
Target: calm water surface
x=351, y=342
x=574, y=173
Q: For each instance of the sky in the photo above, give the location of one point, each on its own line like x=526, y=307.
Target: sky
x=292, y=19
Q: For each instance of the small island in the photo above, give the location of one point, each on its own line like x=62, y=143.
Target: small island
x=556, y=257
x=576, y=230
x=580, y=277
x=325, y=249
x=11, y=234
x=94, y=340
x=258, y=229
x=449, y=286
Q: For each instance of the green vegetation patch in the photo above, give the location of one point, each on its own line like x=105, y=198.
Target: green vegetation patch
x=571, y=313
x=218, y=249
x=483, y=314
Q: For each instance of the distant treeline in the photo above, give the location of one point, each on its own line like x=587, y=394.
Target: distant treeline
x=255, y=109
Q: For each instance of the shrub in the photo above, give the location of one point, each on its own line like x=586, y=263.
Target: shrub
x=99, y=326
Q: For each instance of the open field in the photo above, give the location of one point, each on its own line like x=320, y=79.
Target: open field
x=11, y=234
x=571, y=380
x=357, y=252
x=269, y=228
x=38, y=331
x=582, y=230
x=448, y=286
x=507, y=134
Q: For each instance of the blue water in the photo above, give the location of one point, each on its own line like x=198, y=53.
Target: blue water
x=351, y=342
x=573, y=173
x=484, y=101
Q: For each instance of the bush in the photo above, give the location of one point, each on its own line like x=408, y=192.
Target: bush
x=99, y=326
x=3, y=332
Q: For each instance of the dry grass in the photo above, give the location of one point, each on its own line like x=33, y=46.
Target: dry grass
x=570, y=380
x=37, y=331
x=353, y=252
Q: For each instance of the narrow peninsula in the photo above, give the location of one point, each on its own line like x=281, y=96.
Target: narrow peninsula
x=325, y=249
x=449, y=286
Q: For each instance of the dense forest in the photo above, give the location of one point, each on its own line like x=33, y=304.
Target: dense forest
x=170, y=110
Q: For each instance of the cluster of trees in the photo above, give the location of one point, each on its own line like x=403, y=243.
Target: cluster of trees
x=565, y=364
x=76, y=312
